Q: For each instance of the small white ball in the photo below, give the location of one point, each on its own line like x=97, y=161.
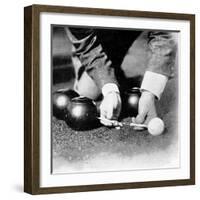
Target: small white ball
x=156, y=126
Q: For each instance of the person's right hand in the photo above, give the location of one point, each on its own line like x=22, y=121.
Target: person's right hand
x=110, y=109
x=146, y=109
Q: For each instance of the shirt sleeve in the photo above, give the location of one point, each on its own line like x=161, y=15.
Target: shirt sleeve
x=154, y=83
x=162, y=52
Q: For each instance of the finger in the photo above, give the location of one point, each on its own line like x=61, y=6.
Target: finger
x=102, y=112
x=140, y=118
x=150, y=116
x=110, y=122
x=114, y=123
x=104, y=115
x=105, y=122
x=116, y=114
x=133, y=120
x=109, y=113
x=118, y=110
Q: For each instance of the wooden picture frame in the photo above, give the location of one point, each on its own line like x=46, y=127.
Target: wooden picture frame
x=32, y=93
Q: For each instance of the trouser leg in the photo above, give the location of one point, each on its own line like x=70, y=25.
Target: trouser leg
x=84, y=85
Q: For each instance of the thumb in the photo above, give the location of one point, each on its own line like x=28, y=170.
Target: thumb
x=140, y=118
x=152, y=114
x=109, y=112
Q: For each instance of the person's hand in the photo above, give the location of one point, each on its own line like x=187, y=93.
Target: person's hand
x=110, y=109
x=146, y=109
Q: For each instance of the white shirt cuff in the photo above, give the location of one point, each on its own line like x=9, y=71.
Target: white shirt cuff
x=154, y=83
x=109, y=87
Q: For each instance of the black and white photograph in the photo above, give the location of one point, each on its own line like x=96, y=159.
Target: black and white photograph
x=114, y=99
x=109, y=99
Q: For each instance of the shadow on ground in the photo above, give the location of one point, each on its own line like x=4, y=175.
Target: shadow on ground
x=86, y=150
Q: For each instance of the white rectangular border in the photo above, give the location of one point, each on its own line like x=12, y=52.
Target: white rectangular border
x=51, y=180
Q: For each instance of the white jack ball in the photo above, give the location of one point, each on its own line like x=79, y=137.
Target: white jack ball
x=156, y=126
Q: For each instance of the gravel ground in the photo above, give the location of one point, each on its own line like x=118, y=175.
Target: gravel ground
x=81, y=145
x=79, y=150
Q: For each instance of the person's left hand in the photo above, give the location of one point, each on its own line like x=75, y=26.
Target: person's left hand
x=146, y=109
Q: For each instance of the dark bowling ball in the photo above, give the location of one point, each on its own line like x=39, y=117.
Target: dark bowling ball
x=131, y=101
x=82, y=114
x=61, y=100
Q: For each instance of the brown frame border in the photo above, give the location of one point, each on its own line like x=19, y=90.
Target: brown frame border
x=32, y=106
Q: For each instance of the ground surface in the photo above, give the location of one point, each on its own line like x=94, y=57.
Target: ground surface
x=111, y=149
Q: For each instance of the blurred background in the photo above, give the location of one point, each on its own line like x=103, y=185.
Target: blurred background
x=63, y=71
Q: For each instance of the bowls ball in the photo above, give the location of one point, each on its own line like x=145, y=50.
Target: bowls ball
x=131, y=101
x=61, y=100
x=82, y=114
